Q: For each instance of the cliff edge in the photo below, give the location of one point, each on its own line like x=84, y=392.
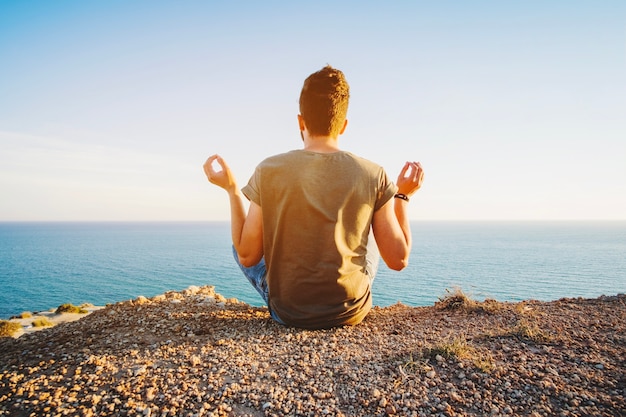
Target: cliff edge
x=194, y=353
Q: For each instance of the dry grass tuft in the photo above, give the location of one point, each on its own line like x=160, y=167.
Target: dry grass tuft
x=458, y=300
x=9, y=328
x=455, y=300
x=526, y=327
x=529, y=330
x=484, y=363
x=454, y=348
x=70, y=308
x=42, y=322
x=458, y=348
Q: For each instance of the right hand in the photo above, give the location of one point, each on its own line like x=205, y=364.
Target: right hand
x=410, y=179
x=223, y=178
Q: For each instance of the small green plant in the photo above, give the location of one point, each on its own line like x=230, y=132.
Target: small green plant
x=42, y=322
x=454, y=348
x=525, y=329
x=26, y=315
x=484, y=363
x=459, y=349
x=70, y=308
x=415, y=364
x=9, y=328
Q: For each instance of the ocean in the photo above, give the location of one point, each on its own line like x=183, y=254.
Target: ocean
x=43, y=265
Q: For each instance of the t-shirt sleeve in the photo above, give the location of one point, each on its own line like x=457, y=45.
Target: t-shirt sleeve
x=386, y=190
x=251, y=190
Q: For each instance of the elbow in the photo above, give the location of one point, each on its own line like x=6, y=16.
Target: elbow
x=399, y=264
x=247, y=261
x=396, y=260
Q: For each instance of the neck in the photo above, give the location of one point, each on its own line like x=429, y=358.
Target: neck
x=321, y=144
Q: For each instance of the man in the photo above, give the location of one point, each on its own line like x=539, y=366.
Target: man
x=305, y=244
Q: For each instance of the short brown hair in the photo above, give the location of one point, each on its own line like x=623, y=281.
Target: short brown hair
x=324, y=101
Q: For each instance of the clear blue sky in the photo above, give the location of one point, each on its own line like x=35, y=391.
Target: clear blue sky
x=517, y=110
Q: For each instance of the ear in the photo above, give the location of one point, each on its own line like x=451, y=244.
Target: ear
x=301, y=123
x=343, y=129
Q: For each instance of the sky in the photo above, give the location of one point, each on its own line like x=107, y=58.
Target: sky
x=516, y=110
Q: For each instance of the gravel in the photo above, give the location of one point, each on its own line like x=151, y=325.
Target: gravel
x=194, y=353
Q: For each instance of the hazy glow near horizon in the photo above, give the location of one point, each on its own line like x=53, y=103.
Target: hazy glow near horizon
x=109, y=109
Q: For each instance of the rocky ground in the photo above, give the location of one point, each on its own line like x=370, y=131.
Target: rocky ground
x=194, y=353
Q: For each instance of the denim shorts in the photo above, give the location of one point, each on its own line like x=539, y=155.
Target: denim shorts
x=257, y=276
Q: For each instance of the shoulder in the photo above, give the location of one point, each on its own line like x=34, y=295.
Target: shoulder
x=280, y=158
x=364, y=163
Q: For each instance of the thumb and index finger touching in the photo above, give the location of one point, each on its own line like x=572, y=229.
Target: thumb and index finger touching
x=220, y=175
x=411, y=177
x=210, y=169
x=208, y=165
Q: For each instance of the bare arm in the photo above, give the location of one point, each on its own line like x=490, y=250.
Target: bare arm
x=391, y=223
x=246, y=231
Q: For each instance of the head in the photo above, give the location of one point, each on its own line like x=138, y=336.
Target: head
x=324, y=102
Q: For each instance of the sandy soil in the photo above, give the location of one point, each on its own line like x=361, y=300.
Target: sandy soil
x=52, y=317
x=194, y=353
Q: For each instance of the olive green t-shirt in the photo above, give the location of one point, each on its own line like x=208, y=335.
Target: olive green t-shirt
x=317, y=212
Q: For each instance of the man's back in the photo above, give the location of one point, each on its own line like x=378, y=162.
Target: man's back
x=303, y=244
x=317, y=212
